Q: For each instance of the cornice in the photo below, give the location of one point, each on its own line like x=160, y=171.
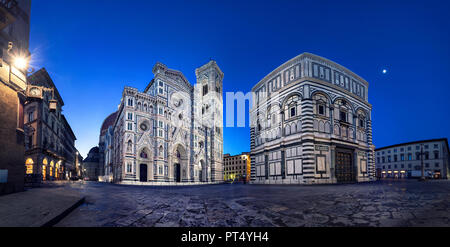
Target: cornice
x=313, y=57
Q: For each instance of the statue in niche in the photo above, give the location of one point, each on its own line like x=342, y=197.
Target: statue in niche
x=129, y=146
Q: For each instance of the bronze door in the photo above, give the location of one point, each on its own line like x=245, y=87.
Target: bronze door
x=177, y=173
x=344, y=167
x=143, y=173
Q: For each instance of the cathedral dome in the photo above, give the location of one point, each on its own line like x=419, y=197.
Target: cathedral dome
x=93, y=155
x=109, y=121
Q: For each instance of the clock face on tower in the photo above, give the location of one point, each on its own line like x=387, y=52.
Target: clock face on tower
x=35, y=92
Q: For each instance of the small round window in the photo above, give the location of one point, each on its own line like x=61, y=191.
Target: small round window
x=144, y=127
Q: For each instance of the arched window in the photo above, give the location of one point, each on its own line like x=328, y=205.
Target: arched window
x=139, y=107
x=29, y=165
x=343, y=110
x=161, y=150
x=178, y=154
x=361, y=119
x=321, y=104
x=29, y=161
x=145, y=107
x=151, y=109
x=292, y=107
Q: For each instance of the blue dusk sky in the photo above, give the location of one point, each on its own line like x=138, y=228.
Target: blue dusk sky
x=93, y=48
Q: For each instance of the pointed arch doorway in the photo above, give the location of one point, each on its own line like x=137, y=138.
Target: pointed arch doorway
x=180, y=163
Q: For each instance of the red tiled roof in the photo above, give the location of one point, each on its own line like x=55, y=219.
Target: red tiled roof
x=108, y=122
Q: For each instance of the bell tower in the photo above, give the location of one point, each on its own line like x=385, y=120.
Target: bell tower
x=210, y=112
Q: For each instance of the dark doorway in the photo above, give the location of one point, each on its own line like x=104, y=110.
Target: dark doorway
x=345, y=173
x=143, y=173
x=177, y=173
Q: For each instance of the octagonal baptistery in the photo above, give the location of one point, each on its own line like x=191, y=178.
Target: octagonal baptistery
x=311, y=124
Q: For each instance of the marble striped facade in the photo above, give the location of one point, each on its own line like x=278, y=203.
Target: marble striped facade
x=304, y=113
x=164, y=134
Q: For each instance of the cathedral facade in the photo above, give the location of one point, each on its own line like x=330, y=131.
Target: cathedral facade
x=311, y=124
x=172, y=131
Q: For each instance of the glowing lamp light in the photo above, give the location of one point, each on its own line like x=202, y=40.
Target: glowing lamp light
x=20, y=63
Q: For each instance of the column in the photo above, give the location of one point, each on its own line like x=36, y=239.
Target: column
x=333, y=163
x=332, y=120
x=252, y=156
x=308, y=162
x=371, y=169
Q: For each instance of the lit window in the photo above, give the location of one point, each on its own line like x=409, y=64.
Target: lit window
x=29, y=165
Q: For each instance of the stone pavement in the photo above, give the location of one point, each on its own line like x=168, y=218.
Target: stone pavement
x=382, y=203
x=38, y=206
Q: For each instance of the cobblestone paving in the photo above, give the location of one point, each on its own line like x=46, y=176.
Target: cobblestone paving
x=382, y=203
